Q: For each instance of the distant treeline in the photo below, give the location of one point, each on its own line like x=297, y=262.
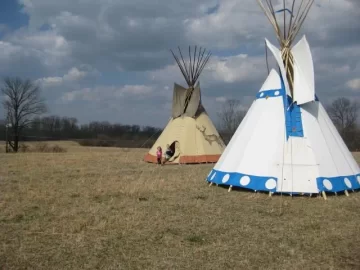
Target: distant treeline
x=23, y=107
x=105, y=134
x=95, y=133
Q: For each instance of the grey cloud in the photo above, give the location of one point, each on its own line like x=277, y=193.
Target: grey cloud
x=356, y=3
x=343, y=33
x=132, y=110
x=120, y=30
x=143, y=61
x=23, y=64
x=135, y=35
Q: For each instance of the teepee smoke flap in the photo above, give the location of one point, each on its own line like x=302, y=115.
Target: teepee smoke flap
x=291, y=27
x=191, y=71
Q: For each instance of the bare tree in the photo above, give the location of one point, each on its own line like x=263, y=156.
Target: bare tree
x=22, y=101
x=344, y=113
x=231, y=115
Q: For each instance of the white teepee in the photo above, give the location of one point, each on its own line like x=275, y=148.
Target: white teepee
x=287, y=143
x=190, y=132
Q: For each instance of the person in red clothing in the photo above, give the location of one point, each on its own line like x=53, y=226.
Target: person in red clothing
x=159, y=154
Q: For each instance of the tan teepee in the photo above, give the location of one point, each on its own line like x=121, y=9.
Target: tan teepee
x=190, y=132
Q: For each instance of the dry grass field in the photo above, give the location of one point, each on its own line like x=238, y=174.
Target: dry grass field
x=103, y=208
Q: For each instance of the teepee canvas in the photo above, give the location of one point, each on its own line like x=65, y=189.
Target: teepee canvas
x=190, y=132
x=287, y=143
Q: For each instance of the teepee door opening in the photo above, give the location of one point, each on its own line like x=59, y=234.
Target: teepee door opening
x=298, y=167
x=175, y=148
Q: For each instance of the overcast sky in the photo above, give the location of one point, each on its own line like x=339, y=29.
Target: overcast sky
x=110, y=60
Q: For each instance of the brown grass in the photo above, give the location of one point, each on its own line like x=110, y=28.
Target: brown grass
x=103, y=208
x=41, y=147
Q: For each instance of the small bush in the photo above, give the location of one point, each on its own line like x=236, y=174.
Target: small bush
x=24, y=148
x=121, y=143
x=195, y=239
x=42, y=148
x=58, y=149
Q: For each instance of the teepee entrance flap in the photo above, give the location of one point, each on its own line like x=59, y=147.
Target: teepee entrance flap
x=175, y=147
x=297, y=179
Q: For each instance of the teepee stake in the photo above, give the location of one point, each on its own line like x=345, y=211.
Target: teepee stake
x=346, y=193
x=211, y=183
x=230, y=188
x=324, y=195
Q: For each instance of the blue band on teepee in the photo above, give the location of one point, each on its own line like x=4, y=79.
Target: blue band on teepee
x=270, y=93
x=253, y=182
x=292, y=112
x=268, y=183
x=339, y=183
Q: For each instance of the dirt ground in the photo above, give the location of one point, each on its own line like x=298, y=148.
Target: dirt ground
x=104, y=208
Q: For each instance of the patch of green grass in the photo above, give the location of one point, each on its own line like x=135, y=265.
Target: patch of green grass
x=201, y=197
x=197, y=239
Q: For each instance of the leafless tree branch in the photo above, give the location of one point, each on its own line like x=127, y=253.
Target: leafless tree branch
x=344, y=113
x=231, y=115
